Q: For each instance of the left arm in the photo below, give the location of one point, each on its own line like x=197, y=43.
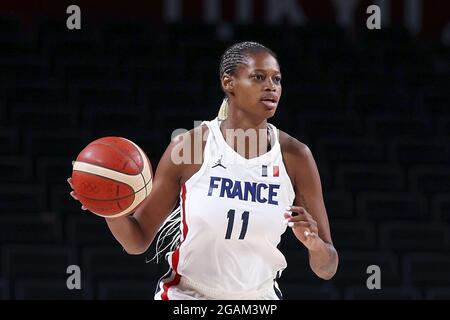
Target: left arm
x=308, y=216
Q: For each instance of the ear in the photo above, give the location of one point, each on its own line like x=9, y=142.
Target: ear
x=228, y=83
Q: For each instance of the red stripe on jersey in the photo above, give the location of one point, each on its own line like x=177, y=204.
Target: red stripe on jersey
x=176, y=255
x=166, y=286
x=183, y=201
x=276, y=171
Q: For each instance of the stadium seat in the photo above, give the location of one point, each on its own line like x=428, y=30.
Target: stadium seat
x=384, y=293
x=15, y=169
x=382, y=206
x=127, y=290
x=345, y=232
x=16, y=197
x=406, y=236
x=426, y=269
x=50, y=289
x=367, y=177
x=26, y=228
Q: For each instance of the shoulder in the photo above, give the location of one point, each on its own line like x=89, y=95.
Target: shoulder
x=186, y=151
x=189, y=139
x=297, y=155
x=293, y=148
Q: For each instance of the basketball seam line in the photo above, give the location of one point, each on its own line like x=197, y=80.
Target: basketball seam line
x=121, y=152
x=93, y=164
x=115, y=199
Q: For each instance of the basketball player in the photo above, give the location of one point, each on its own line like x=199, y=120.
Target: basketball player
x=235, y=203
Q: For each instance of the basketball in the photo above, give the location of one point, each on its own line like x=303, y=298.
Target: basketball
x=112, y=176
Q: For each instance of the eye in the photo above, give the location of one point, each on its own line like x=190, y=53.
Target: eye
x=277, y=79
x=258, y=77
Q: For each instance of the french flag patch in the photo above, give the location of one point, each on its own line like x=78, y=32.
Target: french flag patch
x=271, y=171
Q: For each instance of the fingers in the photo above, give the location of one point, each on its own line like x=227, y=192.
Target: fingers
x=296, y=210
x=72, y=194
x=69, y=180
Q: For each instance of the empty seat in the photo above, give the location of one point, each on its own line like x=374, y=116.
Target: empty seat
x=113, y=263
x=344, y=234
x=9, y=140
x=299, y=291
x=15, y=69
x=406, y=125
x=414, y=236
x=444, y=126
x=4, y=289
x=20, y=198
x=61, y=201
x=430, y=179
x=441, y=207
x=87, y=228
x=15, y=169
x=318, y=99
x=339, y=204
x=49, y=289
x=185, y=97
x=54, y=170
x=126, y=290
x=438, y=293
x=360, y=177
x=382, y=206
x=108, y=92
x=123, y=119
x=353, y=266
x=55, y=143
x=436, y=102
x=26, y=118
x=26, y=228
x=49, y=92
x=385, y=293
x=368, y=101
x=350, y=149
x=426, y=269
x=329, y=124
x=409, y=151
x=35, y=261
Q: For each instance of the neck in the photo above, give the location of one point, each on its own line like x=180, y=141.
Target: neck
x=244, y=142
x=239, y=120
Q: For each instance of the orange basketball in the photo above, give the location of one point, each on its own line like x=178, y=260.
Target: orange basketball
x=112, y=176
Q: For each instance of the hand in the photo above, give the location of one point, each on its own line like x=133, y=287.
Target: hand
x=304, y=227
x=72, y=193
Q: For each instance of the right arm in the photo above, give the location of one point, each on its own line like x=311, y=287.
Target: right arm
x=136, y=232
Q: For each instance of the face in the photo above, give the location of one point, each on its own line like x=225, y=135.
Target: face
x=255, y=88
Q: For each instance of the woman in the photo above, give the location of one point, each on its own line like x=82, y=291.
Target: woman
x=238, y=200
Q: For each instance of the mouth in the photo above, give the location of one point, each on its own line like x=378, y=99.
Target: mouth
x=270, y=102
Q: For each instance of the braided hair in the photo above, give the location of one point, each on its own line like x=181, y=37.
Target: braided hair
x=231, y=58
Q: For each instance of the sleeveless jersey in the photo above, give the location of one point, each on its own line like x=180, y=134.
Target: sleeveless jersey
x=231, y=221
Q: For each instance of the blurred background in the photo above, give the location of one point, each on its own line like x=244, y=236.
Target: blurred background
x=372, y=105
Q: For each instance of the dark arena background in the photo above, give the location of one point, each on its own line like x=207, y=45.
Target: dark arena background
x=373, y=105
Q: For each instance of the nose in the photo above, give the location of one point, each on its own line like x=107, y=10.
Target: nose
x=270, y=85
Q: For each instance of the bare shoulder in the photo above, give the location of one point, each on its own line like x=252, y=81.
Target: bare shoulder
x=293, y=148
x=296, y=156
x=185, y=146
x=187, y=151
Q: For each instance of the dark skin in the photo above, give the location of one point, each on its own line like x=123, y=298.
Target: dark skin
x=253, y=92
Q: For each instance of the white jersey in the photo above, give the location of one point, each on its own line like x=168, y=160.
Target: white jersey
x=232, y=221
